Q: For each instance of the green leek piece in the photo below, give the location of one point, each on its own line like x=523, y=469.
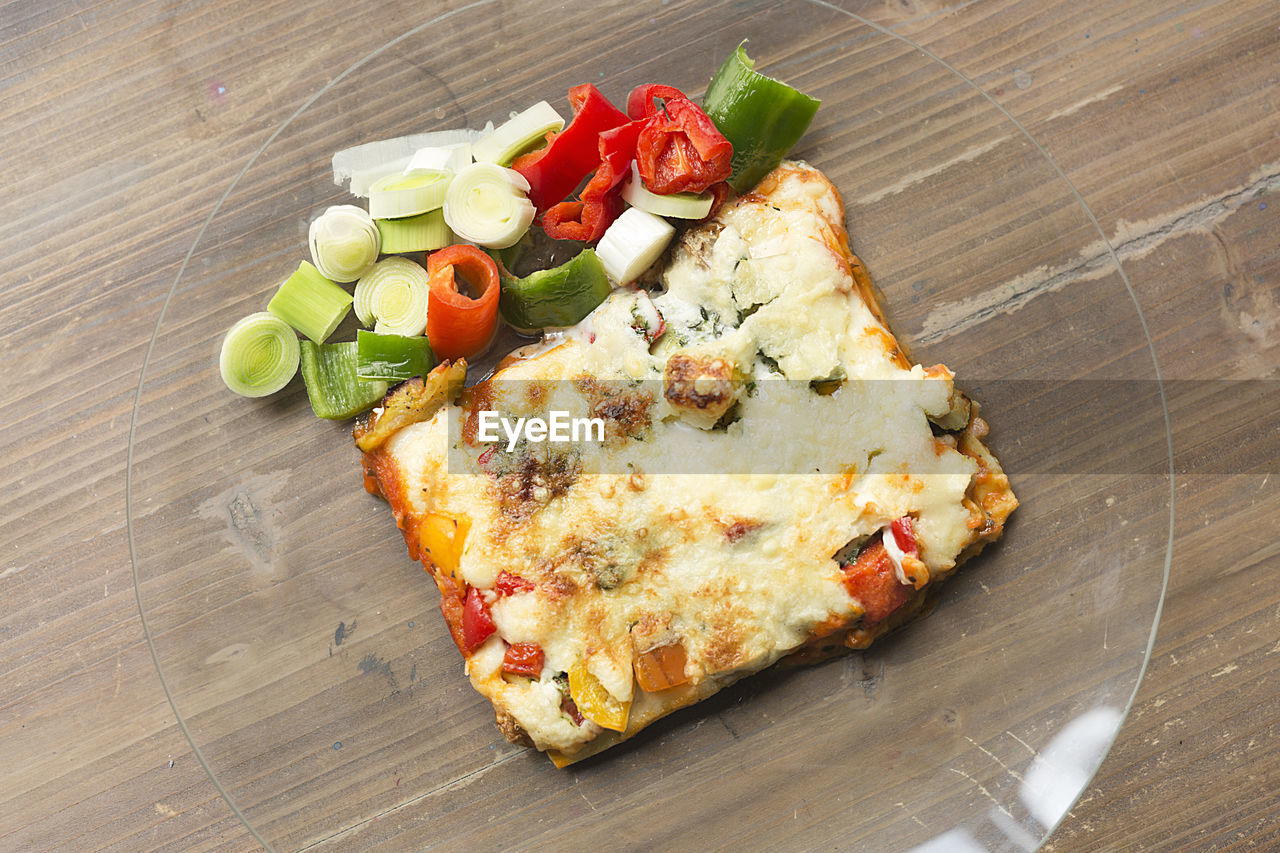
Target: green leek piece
x=521, y=133
x=396, y=196
x=393, y=297
x=394, y=357
x=762, y=117
x=675, y=205
x=633, y=243
x=259, y=355
x=335, y=392
x=344, y=242
x=310, y=303
x=486, y=204
x=560, y=296
x=425, y=232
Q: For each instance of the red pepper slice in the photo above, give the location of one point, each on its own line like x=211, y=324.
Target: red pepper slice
x=509, y=584
x=555, y=171
x=477, y=624
x=457, y=325
x=601, y=198
x=904, y=533
x=523, y=659
x=680, y=149
x=873, y=581
x=640, y=103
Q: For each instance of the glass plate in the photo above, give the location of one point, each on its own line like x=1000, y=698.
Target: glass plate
x=303, y=651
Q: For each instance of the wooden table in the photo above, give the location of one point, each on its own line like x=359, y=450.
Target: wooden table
x=122, y=123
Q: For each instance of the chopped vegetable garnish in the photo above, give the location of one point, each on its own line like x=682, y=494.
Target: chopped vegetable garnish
x=396, y=196
x=458, y=325
x=486, y=204
x=601, y=198
x=518, y=135
x=560, y=296
x=477, y=624
x=392, y=297
x=335, y=392
x=344, y=242
x=259, y=355
x=393, y=357
x=556, y=170
x=310, y=303
x=661, y=668
x=679, y=148
x=524, y=659
x=410, y=402
x=760, y=116
x=633, y=243
x=594, y=702
x=422, y=233
x=364, y=164
x=443, y=538
x=445, y=158
x=677, y=205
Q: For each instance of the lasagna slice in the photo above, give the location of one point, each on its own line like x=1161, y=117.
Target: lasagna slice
x=766, y=475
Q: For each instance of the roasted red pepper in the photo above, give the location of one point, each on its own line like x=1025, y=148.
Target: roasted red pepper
x=873, y=581
x=904, y=534
x=477, y=624
x=523, y=659
x=555, y=171
x=509, y=584
x=679, y=148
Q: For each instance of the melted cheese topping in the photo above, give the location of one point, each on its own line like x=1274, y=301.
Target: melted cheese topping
x=737, y=564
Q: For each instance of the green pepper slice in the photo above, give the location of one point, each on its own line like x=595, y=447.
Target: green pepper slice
x=335, y=392
x=393, y=357
x=560, y=296
x=762, y=117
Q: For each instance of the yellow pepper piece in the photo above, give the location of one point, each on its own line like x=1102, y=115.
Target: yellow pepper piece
x=594, y=702
x=442, y=538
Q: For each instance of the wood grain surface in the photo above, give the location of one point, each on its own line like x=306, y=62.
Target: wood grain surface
x=122, y=124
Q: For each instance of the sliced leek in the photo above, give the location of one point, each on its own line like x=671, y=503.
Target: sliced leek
x=632, y=244
x=259, y=355
x=392, y=297
x=394, y=196
x=422, y=233
x=364, y=164
x=487, y=205
x=677, y=205
x=444, y=158
x=310, y=303
x=521, y=133
x=344, y=242
x=335, y=392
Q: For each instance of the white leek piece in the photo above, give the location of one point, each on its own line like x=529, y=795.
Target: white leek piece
x=394, y=196
x=487, y=205
x=521, y=133
x=422, y=233
x=443, y=158
x=259, y=355
x=676, y=205
x=633, y=243
x=344, y=242
x=364, y=164
x=392, y=297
